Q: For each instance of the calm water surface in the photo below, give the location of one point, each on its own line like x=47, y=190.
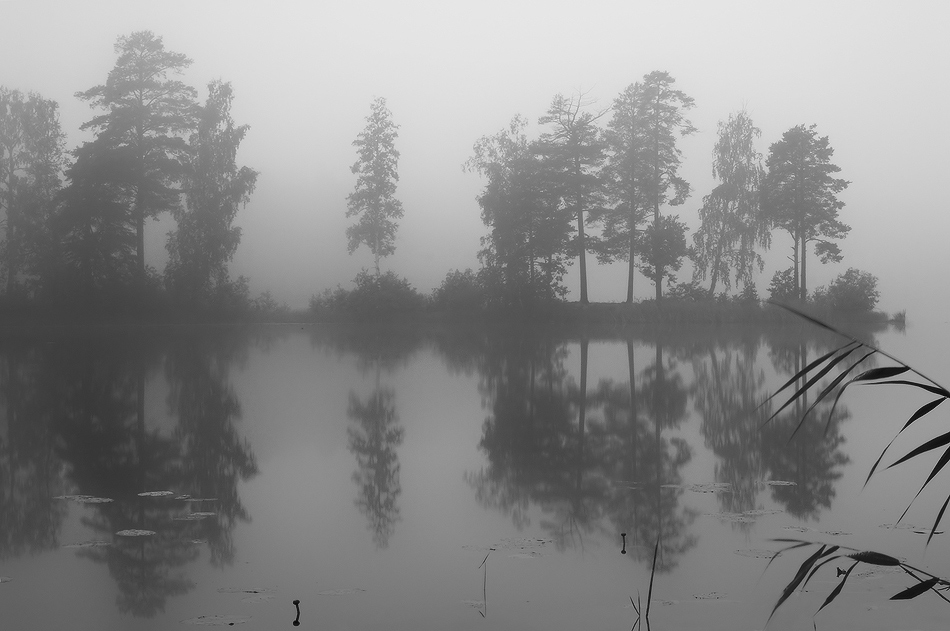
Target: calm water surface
x=152, y=478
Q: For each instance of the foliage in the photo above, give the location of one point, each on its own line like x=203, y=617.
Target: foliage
x=825, y=554
x=374, y=298
x=206, y=239
x=799, y=195
x=665, y=118
x=692, y=290
x=732, y=225
x=373, y=200
x=783, y=287
x=854, y=291
x=31, y=159
x=627, y=172
x=460, y=292
x=663, y=249
x=146, y=114
x=526, y=250
x=574, y=153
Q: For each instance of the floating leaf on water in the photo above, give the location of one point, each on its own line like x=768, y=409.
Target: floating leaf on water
x=183, y=498
x=779, y=483
x=836, y=533
x=84, y=499
x=341, y=592
x=523, y=543
x=756, y=553
x=5, y=579
x=736, y=518
x=246, y=590
x=194, y=516
x=709, y=487
x=525, y=555
x=87, y=544
x=927, y=532
x=155, y=494
x=198, y=542
x=217, y=621
x=474, y=604
x=709, y=596
x=759, y=512
x=188, y=498
x=797, y=528
x=135, y=532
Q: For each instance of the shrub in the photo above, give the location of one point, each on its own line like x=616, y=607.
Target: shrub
x=853, y=291
x=688, y=291
x=373, y=298
x=783, y=287
x=460, y=291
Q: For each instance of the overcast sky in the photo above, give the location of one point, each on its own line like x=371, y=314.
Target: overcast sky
x=872, y=75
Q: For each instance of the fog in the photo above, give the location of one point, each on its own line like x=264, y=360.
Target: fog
x=872, y=76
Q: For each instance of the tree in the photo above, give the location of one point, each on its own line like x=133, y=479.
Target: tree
x=529, y=228
x=373, y=199
x=206, y=239
x=575, y=153
x=664, y=248
x=799, y=196
x=664, y=108
x=31, y=161
x=732, y=224
x=626, y=173
x=146, y=114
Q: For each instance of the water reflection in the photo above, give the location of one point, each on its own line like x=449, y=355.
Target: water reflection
x=85, y=396
x=373, y=442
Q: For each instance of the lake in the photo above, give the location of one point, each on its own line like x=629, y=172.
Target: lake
x=449, y=478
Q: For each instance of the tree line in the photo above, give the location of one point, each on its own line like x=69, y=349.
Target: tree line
x=75, y=221
x=581, y=188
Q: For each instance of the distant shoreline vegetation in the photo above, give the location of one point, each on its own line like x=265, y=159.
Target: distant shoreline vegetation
x=464, y=297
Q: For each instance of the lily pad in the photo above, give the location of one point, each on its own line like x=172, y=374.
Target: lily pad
x=779, y=483
x=155, y=494
x=756, y=553
x=84, y=499
x=135, y=532
x=88, y=544
x=194, y=516
x=5, y=579
x=245, y=590
x=217, y=621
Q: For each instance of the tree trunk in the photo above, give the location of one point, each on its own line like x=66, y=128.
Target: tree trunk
x=582, y=243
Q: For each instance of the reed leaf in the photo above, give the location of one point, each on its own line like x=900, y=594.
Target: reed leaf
x=929, y=387
x=827, y=391
x=800, y=576
x=916, y=590
x=881, y=373
x=874, y=558
x=808, y=384
x=930, y=445
x=837, y=590
x=933, y=528
x=804, y=371
x=920, y=413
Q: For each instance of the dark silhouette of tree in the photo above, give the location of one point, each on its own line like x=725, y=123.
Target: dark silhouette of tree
x=31, y=160
x=373, y=442
x=732, y=223
x=528, y=243
x=574, y=152
x=206, y=239
x=800, y=196
x=373, y=200
x=627, y=174
x=98, y=244
x=146, y=113
x=664, y=117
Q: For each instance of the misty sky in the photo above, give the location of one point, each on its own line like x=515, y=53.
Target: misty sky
x=873, y=76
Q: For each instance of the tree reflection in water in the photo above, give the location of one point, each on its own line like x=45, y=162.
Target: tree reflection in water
x=93, y=386
x=585, y=460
